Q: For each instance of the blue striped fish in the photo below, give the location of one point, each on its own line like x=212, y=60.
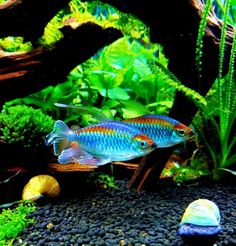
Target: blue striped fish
x=99, y=144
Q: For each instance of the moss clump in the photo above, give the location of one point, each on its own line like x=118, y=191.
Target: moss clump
x=24, y=125
x=13, y=221
x=14, y=44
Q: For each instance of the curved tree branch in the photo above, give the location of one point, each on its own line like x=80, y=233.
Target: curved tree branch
x=24, y=73
x=28, y=18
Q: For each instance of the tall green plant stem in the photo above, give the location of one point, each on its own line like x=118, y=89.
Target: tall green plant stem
x=223, y=118
x=201, y=33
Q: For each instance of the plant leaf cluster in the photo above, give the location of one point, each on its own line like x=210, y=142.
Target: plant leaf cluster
x=78, y=12
x=13, y=221
x=103, y=180
x=24, y=125
x=14, y=44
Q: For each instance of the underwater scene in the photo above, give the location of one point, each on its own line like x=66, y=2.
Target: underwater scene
x=117, y=123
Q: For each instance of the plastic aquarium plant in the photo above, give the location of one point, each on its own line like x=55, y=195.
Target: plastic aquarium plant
x=13, y=222
x=24, y=125
x=221, y=144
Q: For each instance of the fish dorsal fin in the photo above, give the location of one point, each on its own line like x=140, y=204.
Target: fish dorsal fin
x=60, y=126
x=96, y=113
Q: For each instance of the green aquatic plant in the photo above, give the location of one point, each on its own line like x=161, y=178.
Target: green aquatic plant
x=173, y=81
x=103, y=180
x=13, y=222
x=24, y=125
x=117, y=79
x=221, y=118
x=78, y=12
x=219, y=10
x=45, y=99
x=120, y=72
x=201, y=34
x=14, y=44
x=112, y=75
x=193, y=168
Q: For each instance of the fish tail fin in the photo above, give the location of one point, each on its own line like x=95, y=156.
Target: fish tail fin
x=60, y=137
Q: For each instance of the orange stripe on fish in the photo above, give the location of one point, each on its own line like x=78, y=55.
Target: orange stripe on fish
x=97, y=129
x=150, y=121
x=182, y=126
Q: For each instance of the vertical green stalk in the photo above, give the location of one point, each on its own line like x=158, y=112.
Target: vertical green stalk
x=230, y=102
x=230, y=91
x=223, y=125
x=201, y=33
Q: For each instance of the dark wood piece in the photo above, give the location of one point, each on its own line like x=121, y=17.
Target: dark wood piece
x=28, y=18
x=24, y=73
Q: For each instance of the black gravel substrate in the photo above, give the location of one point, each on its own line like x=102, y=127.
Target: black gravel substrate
x=124, y=217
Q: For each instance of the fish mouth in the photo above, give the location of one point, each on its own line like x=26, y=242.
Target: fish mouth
x=191, y=136
x=153, y=145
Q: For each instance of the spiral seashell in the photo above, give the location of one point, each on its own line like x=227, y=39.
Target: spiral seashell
x=201, y=217
x=40, y=185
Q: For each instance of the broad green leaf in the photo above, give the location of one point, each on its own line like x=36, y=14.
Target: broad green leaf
x=118, y=94
x=133, y=109
x=107, y=112
x=110, y=103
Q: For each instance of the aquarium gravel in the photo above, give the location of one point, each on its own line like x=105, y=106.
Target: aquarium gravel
x=124, y=217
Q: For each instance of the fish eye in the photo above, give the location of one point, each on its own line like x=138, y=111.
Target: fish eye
x=143, y=144
x=181, y=132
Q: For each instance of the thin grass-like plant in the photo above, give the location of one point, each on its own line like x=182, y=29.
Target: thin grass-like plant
x=173, y=81
x=201, y=34
x=222, y=151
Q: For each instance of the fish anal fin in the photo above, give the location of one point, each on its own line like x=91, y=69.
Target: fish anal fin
x=94, y=161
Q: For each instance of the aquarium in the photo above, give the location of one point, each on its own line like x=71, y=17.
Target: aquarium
x=117, y=122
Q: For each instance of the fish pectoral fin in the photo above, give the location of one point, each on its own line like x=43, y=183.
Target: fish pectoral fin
x=73, y=154
x=94, y=161
x=77, y=154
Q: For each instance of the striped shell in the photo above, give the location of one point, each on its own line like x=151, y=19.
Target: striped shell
x=202, y=212
x=40, y=185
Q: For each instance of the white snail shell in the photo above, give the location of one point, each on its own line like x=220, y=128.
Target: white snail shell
x=201, y=212
x=41, y=185
x=201, y=217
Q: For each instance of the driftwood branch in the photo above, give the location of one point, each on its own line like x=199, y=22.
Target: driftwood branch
x=24, y=73
x=28, y=18
x=9, y=4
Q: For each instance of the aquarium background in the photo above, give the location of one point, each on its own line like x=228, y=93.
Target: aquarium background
x=130, y=78
x=135, y=68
